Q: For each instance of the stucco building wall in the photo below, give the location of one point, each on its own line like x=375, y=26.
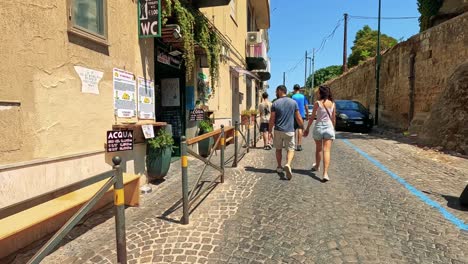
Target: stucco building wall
x=43, y=113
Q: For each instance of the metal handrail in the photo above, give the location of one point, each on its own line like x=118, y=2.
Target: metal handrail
x=115, y=177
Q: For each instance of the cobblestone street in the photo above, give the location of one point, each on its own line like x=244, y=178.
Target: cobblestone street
x=361, y=216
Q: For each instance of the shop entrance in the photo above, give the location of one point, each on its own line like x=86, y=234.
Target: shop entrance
x=170, y=92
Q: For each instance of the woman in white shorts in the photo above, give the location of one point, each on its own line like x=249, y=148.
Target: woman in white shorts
x=324, y=129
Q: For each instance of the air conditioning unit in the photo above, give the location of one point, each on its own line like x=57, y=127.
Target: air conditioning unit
x=254, y=37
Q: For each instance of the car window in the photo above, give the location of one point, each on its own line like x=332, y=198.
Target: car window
x=350, y=105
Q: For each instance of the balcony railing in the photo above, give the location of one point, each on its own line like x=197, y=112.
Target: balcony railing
x=210, y=3
x=257, y=56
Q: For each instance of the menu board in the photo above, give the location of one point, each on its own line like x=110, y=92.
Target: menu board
x=124, y=93
x=119, y=140
x=146, y=105
x=197, y=115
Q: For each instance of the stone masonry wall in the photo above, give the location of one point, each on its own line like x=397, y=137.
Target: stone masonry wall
x=438, y=52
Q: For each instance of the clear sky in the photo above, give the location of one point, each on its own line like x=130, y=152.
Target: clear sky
x=300, y=25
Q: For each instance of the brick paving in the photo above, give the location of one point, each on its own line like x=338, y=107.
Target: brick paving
x=361, y=216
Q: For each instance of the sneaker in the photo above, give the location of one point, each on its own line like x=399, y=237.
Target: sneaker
x=279, y=170
x=315, y=167
x=288, y=171
x=299, y=148
x=325, y=178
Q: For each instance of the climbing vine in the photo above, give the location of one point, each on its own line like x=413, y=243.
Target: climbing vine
x=428, y=9
x=195, y=30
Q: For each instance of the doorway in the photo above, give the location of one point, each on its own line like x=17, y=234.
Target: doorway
x=235, y=96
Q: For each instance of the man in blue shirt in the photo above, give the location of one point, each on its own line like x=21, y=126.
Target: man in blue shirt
x=301, y=101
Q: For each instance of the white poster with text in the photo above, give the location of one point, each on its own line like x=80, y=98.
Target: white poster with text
x=124, y=93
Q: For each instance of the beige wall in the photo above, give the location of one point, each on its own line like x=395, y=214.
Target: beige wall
x=235, y=31
x=50, y=117
x=37, y=70
x=438, y=52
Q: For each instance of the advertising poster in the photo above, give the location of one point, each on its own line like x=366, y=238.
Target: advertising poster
x=124, y=93
x=170, y=92
x=146, y=104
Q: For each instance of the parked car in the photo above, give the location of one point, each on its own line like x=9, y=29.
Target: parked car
x=310, y=108
x=352, y=114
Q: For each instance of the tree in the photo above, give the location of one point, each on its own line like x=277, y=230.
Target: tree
x=365, y=45
x=324, y=74
x=427, y=9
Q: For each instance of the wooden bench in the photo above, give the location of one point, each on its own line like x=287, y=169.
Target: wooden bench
x=21, y=229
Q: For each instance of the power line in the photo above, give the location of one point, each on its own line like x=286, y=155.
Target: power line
x=387, y=18
x=322, y=45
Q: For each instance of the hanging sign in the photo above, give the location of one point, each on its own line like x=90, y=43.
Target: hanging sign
x=148, y=131
x=145, y=99
x=167, y=59
x=149, y=18
x=197, y=115
x=119, y=140
x=124, y=93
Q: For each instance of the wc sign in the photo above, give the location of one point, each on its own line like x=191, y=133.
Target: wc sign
x=149, y=18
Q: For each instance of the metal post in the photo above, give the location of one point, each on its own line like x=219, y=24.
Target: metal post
x=255, y=132
x=284, y=78
x=248, y=135
x=119, y=203
x=313, y=76
x=223, y=145
x=236, y=143
x=185, y=187
x=377, y=70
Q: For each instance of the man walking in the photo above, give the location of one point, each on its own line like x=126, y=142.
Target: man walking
x=283, y=113
x=265, y=109
x=301, y=101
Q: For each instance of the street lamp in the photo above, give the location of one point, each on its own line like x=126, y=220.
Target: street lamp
x=377, y=69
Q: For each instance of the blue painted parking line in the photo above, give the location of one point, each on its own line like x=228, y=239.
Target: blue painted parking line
x=456, y=221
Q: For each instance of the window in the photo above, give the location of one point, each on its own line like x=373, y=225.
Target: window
x=233, y=6
x=88, y=19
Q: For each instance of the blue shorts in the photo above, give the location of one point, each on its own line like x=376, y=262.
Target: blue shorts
x=323, y=130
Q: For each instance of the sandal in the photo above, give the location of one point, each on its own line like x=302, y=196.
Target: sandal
x=315, y=168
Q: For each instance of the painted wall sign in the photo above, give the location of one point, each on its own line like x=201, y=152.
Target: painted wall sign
x=119, y=140
x=197, y=115
x=170, y=92
x=149, y=18
x=89, y=79
x=124, y=93
x=146, y=103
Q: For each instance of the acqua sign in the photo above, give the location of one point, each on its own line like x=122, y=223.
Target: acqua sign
x=149, y=18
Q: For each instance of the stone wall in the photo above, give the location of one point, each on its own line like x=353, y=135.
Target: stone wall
x=437, y=53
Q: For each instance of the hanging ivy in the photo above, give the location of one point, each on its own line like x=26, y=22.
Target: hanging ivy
x=428, y=9
x=195, y=30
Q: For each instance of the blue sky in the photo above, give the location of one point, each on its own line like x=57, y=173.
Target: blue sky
x=300, y=25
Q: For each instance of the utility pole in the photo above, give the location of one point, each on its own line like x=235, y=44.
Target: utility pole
x=345, y=44
x=284, y=78
x=312, y=76
x=377, y=69
x=305, y=73
x=313, y=69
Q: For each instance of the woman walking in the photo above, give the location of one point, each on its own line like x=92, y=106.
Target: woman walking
x=324, y=129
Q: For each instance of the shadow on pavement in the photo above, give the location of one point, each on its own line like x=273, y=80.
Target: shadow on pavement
x=266, y=171
x=454, y=203
x=308, y=173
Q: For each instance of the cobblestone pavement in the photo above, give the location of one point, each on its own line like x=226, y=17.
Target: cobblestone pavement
x=361, y=216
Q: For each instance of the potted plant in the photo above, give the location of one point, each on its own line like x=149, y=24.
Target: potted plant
x=253, y=115
x=204, y=146
x=158, y=155
x=245, y=116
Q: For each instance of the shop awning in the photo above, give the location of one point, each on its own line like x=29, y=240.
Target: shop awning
x=241, y=70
